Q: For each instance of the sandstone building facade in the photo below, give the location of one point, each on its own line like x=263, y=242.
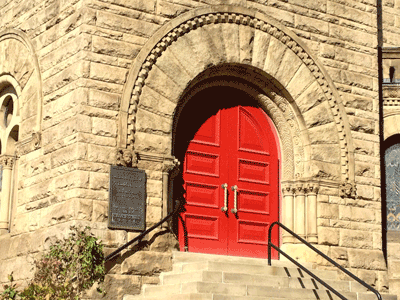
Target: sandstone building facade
x=86, y=83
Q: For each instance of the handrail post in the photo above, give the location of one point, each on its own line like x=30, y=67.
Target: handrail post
x=270, y=243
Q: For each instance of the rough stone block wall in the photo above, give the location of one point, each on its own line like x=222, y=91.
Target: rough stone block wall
x=85, y=50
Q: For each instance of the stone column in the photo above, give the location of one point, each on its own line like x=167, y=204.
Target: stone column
x=167, y=167
x=7, y=162
x=312, y=190
x=288, y=217
x=299, y=210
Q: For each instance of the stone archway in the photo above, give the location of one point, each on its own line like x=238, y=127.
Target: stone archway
x=201, y=39
x=296, y=92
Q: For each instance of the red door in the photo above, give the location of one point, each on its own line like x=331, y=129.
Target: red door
x=236, y=147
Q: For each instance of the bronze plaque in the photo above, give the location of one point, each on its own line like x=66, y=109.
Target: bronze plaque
x=127, y=206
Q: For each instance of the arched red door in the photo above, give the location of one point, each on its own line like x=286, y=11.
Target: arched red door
x=231, y=180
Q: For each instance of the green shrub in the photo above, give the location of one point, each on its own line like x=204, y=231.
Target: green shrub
x=10, y=291
x=71, y=266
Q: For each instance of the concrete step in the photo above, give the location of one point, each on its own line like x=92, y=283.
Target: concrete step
x=209, y=291
x=185, y=257
x=252, y=269
x=193, y=296
x=236, y=289
x=248, y=279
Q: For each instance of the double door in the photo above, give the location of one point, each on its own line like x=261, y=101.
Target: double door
x=231, y=181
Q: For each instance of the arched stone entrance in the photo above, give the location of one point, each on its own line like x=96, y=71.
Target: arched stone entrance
x=287, y=80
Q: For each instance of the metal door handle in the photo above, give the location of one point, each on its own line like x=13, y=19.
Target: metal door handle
x=225, y=207
x=234, y=189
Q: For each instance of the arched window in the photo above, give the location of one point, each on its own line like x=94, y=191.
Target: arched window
x=9, y=135
x=392, y=171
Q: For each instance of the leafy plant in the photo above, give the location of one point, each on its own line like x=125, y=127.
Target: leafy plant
x=71, y=266
x=10, y=291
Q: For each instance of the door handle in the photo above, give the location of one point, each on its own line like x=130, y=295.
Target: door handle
x=234, y=189
x=225, y=207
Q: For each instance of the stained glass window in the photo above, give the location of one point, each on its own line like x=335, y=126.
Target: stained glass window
x=392, y=169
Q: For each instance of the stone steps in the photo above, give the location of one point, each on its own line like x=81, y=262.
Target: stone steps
x=214, y=277
x=249, y=279
x=186, y=257
x=253, y=269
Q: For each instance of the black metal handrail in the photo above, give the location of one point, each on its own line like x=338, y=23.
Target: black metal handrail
x=141, y=236
x=378, y=295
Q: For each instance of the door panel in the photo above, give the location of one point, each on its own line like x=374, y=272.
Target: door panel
x=204, y=195
x=203, y=219
x=202, y=163
x=254, y=169
x=234, y=146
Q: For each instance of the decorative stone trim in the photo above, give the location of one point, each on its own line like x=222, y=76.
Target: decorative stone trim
x=126, y=158
x=154, y=157
x=391, y=102
x=348, y=190
x=29, y=144
x=7, y=161
x=312, y=188
x=391, y=91
x=285, y=134
x=300, y=204
x=246, y=20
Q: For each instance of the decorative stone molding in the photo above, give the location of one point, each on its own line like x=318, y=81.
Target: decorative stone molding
x=287, y=189
x=285, y=135
x=127, y=158
x=7, y=161
x=348, y=190
x=29, y=144
x=300, y=209
x=164, y=160
x=300, y=188
x=391, y=95
x=169, y=165
x=312, y=188
x=245, y=17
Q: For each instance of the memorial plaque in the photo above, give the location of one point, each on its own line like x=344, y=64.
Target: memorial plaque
x=127, y=207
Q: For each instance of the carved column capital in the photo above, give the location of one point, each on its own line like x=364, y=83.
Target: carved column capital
x=299, y=188
x=287, y=189
x=170, y=164
x=312, y=188
x=7, y=161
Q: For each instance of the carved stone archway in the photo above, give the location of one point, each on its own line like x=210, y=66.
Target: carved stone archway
x=227, y=34
x=292, y=87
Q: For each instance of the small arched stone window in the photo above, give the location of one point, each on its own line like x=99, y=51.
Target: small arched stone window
x=9, y=135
